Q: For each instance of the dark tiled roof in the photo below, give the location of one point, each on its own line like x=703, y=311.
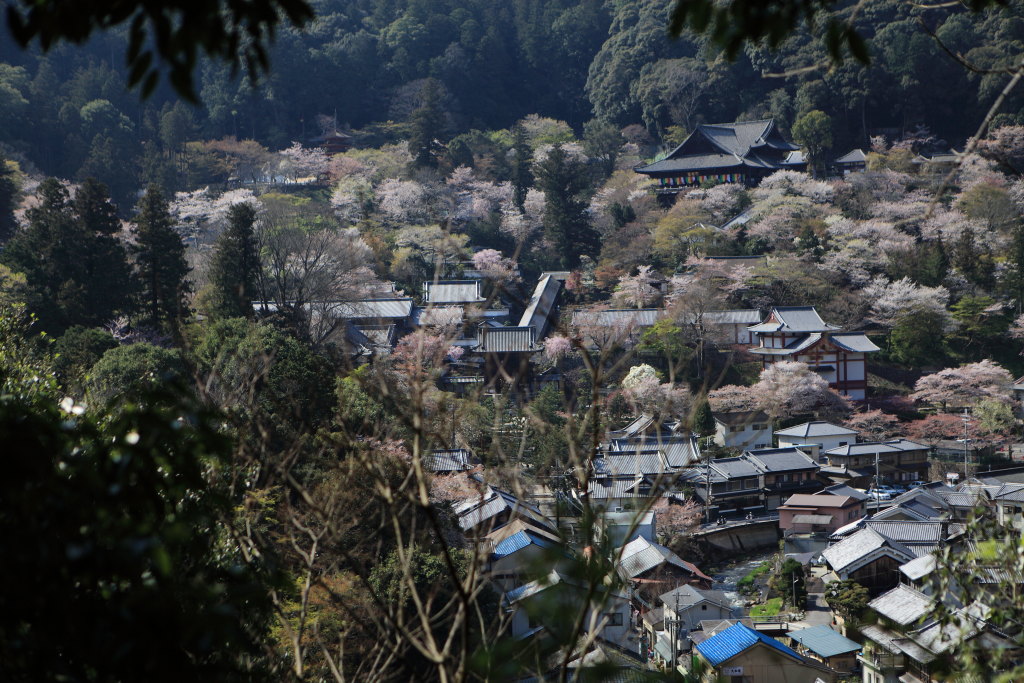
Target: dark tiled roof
x=507, y=340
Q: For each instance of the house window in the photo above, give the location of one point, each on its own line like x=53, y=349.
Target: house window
x=737, y=428
x=614, y=618
x=843, y=443
x=703, y=608
x=760, y=427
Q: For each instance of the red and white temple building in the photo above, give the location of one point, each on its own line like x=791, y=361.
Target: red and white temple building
x=797, y=333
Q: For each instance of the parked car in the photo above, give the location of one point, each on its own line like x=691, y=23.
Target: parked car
x=879, y=495
x=917, y=484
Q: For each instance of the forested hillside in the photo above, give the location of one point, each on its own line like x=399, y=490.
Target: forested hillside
x=363, y=64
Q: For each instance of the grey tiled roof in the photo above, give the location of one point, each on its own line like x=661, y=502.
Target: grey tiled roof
x=853, y=341
x=455, y=460
x=792, y=319
x=649, y=463
x=740, y=317
x=452, y=292
x=780, y=459
x=507, y=339
x=732, y=468
x=859, y=545
x=538, y=312
x=854, y=156
x=617, y=318
x=640, y=556
x=374, y=309
x=815, y=429
x=690, y=596
x=902, y=605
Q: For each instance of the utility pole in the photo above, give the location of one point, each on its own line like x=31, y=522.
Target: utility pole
x=675, y=632
x=877, y=482
x=707, y=480
x=966, y=420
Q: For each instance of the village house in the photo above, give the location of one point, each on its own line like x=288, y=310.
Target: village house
x=821, y=435
x=906, y=643
x=798, y=333
x=492, y=509
x=871, y=551
x=681, y=612
x=828, y=646
x=742, y=653
x=743, y=429
x=898, y=461
x=732, y=327
x=804, y=513
x=528, y=552
x=650, y=569
x=742, y=152
x=755, y=482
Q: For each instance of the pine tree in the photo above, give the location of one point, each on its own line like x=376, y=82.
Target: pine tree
x=8, y=193
x=160, y=261
x=235, y=264
x=47, y=252
x=566, y=224
x=973, y=261
x=427, y=127
x=933, y=264
x=106, y=275
x=521, y=177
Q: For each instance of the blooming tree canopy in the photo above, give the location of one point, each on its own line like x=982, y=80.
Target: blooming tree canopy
x=965, y=386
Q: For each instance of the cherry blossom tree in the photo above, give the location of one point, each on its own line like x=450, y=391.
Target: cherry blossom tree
x=790, y=388
x=675, y=519
x=965, y=386
x=302, y=162
x=352, y=197
x=795, y=183
x=638, y=290
x=522, y=225
x=1005, y=146
x=892, y=301
x=404, y=201
x=557, y=347
x=644, y=389
x=494, y=266
x=452, y=488
x=732, y=398
x=874, y=425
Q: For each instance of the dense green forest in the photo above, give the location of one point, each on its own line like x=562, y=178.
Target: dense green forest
x=363, y=64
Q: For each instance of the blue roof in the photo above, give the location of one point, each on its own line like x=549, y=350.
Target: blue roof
x=823, y=641
x=517, y=542
x=736, y=639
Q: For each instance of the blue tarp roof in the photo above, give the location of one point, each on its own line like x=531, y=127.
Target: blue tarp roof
x=823, y=641
x=517, y=542
x=723, y=646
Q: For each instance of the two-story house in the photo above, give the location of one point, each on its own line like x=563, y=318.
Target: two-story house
x=898, y=461
x=823, y=435
x=805, y=513
x=743, y=429
x=755, y=482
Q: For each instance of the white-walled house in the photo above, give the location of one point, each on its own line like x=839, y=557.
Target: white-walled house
x=743, y=430
x=824, y=434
